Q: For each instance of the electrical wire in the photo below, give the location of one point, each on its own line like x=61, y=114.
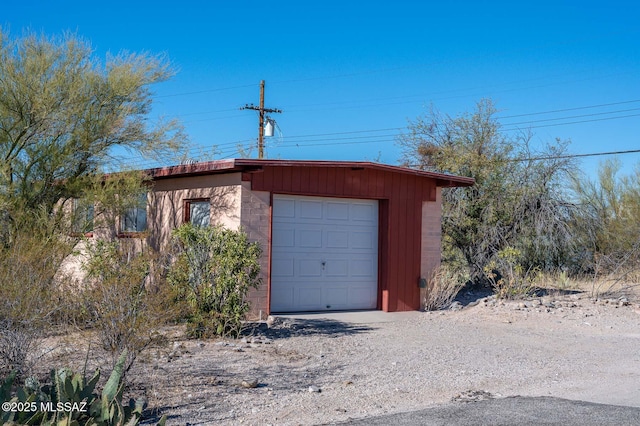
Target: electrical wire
x=569, y=109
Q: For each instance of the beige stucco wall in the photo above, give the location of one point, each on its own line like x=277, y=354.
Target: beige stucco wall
x=430, y=252
x=166, y=204
x=165, y=211
x=255, y=214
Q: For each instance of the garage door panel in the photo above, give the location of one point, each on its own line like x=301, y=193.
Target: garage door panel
x=363, y=240
x=283, y=208
x=337, y=239
x=281, y=268
x=282, y=298
x=324, y=257
x=337, y=268
x=309, y=297
x=337, y=298
x=364, y=213
x=309, y=238
x=361, y=297
x=363, y=268
x=337, y=210
x=284, y=238
x=310, y=268
x=309, y=209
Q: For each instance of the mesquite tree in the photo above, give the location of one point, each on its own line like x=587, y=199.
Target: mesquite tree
x=517, y=200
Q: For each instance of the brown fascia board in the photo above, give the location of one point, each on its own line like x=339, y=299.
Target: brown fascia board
x=204, y=168
x=248, y=165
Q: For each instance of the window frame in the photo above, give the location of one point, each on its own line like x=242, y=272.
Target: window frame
x=187, y=209
x=88, y=218
x=135, y=233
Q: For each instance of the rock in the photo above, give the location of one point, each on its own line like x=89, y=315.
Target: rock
x=314, y=388
x=271, y=321
x=455, y=306
x=249, y=383
x=472, y=396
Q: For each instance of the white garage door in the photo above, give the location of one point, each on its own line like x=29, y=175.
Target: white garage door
x=324, y=254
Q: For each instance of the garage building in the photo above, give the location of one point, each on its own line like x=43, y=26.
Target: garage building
x=336, y=235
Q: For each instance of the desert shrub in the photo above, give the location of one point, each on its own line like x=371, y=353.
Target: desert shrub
x=124, y=308
x=443, y=286
x=508, y=277
x=31, y=300
x=76, y=395
x=214, y=269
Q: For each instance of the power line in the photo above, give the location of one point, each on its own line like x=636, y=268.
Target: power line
x=570, y=109
x=229, y=148
x=591, y=154
x=576, y=122
x=575, y=116
x=198, y=92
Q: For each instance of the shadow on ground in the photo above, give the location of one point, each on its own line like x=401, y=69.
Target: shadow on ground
x=468, y=296
x=289, y=327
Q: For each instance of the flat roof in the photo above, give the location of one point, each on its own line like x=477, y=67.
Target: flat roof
x=248, y=165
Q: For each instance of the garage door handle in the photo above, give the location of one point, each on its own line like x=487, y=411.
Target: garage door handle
x=323, y=263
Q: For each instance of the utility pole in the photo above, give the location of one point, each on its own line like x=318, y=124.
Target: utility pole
x=261, y=116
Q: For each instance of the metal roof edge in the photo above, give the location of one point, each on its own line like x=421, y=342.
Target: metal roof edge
x=244, y=164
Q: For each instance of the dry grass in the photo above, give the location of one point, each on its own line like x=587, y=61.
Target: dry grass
x=443, y=287
x=622, y=285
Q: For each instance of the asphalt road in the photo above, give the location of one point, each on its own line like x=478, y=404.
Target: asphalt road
x=512, y=411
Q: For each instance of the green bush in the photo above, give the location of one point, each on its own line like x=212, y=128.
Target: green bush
x=213, y=272
x=509, y=278
x=70, y=399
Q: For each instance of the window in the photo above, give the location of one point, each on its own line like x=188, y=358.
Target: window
x=135, y=218
x=197, y=211
x=82, y=217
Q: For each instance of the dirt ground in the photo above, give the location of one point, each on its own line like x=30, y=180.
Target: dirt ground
x=320, y=370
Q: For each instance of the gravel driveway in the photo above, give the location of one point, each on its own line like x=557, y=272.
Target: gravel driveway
x=318, y=370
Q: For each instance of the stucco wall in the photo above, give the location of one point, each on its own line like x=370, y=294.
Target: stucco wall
x=165, y=211
x=430, y=251
x=166, y=204
x=255, y=214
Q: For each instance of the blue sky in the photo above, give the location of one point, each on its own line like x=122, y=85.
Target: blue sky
x=349, y=75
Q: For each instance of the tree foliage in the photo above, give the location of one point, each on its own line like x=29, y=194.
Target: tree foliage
x=66, y=118
x=516, y=200
x=63, y=113
x=607, y=226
